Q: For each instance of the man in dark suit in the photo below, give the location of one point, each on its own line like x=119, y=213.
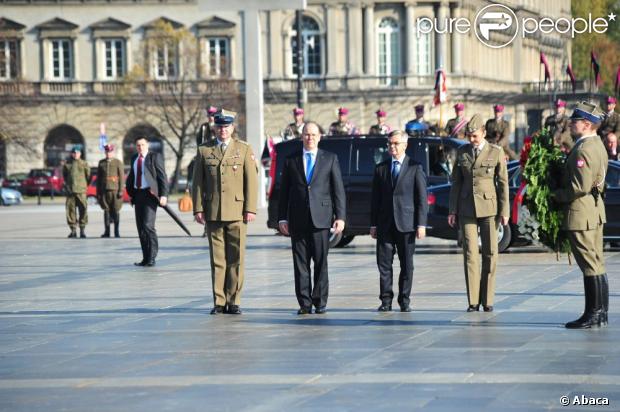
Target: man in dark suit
x=398, y=216
x=147, y=185
x=311, y=196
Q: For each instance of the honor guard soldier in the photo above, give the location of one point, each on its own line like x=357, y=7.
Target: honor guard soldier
x=498, y=131
x=381, y=127
x=294, y=130
x=76, y=174
x=581, y=192
x=110, y=177
x=478, y=202
x=610, y=129
x=206, y=131
x=456, y=126
x=343, y=127
x=558, y=125
x=225, y=190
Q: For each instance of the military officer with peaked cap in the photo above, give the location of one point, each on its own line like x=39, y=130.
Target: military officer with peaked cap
x=224, y=190
x=498, y=131
x=478, y=202
x=110, y=177
x=583, y=181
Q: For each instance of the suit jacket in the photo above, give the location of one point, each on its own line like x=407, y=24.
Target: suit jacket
x=585, y=168
x=404, y=204
x=319, y=202
x=480, y=187
x=154, y=173
x=225, y=185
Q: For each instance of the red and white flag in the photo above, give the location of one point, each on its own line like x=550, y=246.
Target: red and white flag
x=441, y=90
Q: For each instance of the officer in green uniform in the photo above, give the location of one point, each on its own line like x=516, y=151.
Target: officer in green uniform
x=293, y=130
x=498, y=131
x=343, y=127
x=479, y=198
x=110, y=178
x=225, y=189
x=584, y=212
x=76, y=173
x=558, y=125
x=610, y=129
x=456, y=126
x=380, y=128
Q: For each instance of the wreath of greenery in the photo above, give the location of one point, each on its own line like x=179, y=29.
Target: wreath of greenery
x=543, y=171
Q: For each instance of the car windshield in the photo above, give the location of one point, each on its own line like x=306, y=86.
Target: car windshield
x=40, y=173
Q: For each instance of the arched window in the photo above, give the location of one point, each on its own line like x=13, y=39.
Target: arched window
x=59, y=142
x=423, y=50
x=156, y=143
x=389, y=50
x=311, y=42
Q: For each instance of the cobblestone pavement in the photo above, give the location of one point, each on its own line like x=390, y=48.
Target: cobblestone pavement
x=82, y=329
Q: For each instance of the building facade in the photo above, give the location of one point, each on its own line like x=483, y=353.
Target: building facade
x=63, y=63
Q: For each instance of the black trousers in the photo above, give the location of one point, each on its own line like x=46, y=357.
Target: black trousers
x=388, y=244
x=145, y=207
x=312, y=245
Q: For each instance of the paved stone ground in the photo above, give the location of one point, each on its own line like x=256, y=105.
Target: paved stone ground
x=81, y=329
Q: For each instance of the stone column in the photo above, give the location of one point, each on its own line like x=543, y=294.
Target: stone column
x=410, y=70
x=370, y=63
x=333, y=47
x=354, y=38
x=456, y=44
x=276, y=56
x=440, y=36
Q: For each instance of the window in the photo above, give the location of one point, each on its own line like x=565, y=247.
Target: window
x=389, y=51
x=311, y=42
x=166, y=60
x=218, y=61
x=114, y=58
x=62, y=59
x=9, y=59
x=423, y=53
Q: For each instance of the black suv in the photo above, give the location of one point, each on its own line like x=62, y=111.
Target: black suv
x=358, y=156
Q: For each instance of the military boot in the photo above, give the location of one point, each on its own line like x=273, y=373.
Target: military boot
x=106, y=224
x=72, y=234
x=116, y=225
x=593, y=314
x=82, y=233
x=605, y=292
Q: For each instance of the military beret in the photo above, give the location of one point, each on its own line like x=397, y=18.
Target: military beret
x=211, y=110
x=381, y=113
x=109, y=147
x=587, y=111
x=343, y=110
x=459, y=106
x=298, y=110
x=419, y=108
x=560, y=103
x=498, y=107
x=224, y=117
x=611, y=100
x=474, y=124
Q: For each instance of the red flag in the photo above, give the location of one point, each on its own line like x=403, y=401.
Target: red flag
x=617, y=84
x=569, y=71
x=596, y=67
x=543, y=61
x=440, y=87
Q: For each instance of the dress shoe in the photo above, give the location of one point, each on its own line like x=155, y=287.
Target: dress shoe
x=217, y=310
x=234, y=310
x=321, y=310
x=304, y=311
x=385, y=307
x=142, y=263
x=487, y=308
x=150, y=263
x=72, y=234
x=473, y=308
x=405, y=308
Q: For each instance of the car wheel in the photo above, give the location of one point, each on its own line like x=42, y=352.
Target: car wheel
x=92, y=200
x=345, y=241
x=504, y=236
x=334, y=239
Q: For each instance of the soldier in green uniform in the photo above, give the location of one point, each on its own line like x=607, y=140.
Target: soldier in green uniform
x=225, y=189
x=558, y=125
x=110, y=178
x=293, y=130
x=584, y=212
x=610, y=129
x=381, y=127
x=456, y=126
x=343, y=127
x=479, y=198
x=498, y=131
x=76, y=173
x=206, y=131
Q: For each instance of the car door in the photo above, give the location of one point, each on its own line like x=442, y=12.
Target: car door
x=612, y=201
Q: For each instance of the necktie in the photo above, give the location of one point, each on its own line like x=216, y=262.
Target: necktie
x=139, y=173
x=223, y=146
x=309, y=167
x=395, y=171
x=476, y=152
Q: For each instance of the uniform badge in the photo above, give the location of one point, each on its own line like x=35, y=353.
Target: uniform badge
x=252, y=156
x=235, y=167
x=580, y=163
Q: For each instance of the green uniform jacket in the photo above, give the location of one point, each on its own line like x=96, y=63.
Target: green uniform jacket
x=559, y=128
x=611, y=124
x=480, y=188
x=76, y=174
x=110, y=176
x=225, y=185
x=585, y=168
x=451, y=125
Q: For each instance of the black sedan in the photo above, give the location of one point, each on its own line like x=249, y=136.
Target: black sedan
x=439, y=198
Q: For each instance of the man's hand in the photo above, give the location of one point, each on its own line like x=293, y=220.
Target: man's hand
x=452, y=220
x=200, y=218
x=504, y=220
x=249, y=217
x=338, y=226
x=373, y=232
x=163, y=200
x=421, y=232
x=119, y=195
x=283, y=226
